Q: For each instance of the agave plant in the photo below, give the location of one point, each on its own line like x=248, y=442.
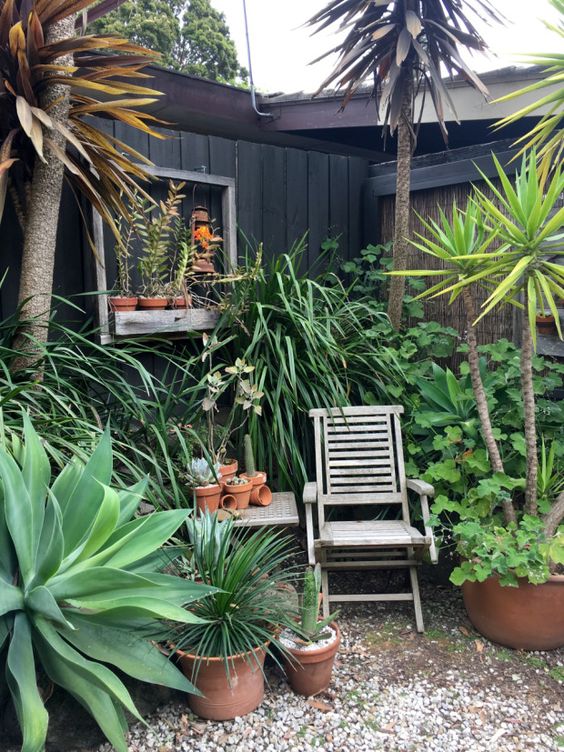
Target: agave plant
x=80, y=588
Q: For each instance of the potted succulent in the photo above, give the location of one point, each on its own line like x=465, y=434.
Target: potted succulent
x=179, y=297
x=312, y=642
x=509, y=535
x=155, y=228
x=236, y=493
x=203, y=478
x=223, y=655
x=261, y=495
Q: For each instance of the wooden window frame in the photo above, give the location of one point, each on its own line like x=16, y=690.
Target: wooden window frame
x=192, y=319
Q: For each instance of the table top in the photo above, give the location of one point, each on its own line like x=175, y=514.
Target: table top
x=282, y=511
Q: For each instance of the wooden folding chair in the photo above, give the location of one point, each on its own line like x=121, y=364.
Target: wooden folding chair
x=359, y=460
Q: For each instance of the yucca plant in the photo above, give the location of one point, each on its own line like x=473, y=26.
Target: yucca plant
x=80, y=587
x=51, y=81
x=402, y=49
x=524, y=219
x=546, y=136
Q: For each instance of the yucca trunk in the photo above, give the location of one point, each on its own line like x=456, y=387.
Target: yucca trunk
x=529, y=413
x=402, y=207
x=41, y=222
x=481, y=397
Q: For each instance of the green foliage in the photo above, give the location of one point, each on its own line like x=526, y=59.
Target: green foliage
x=508, y=551
x=246, y=610
x=80, y=587
x=191, y=35
x=250, y=466
x=312, y=345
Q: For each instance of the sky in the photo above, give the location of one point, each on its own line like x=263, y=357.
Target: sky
x=282, y=48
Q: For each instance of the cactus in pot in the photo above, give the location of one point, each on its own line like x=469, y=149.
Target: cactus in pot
x=261, y=495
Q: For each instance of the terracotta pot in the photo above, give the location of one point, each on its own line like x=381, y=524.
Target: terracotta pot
x=180, y=302
x=258, y=481
x=312, y=672
x=207, y=497
x=546, y=325
x=229, y=470
x=224, y=699
x=242, y=493
x=261, y=496
x=153, y=304
x=528, y=617
x=229, y=502
x=122, y=303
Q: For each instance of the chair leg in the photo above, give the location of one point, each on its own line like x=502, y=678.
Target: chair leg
x=325, y=585
x=416, y=599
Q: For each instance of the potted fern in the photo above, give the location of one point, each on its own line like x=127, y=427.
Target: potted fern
x=312, y=642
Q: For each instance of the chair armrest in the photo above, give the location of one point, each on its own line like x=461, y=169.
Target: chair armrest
x=310, y=493
x=421, y=487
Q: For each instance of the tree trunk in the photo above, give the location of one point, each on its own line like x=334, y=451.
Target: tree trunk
x=40, y=239
x=402, y=207
x=529, y=414
x=553, y=519
x=481, y=398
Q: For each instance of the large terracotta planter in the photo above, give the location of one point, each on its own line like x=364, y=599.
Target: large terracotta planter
x=208, y=497
x=528, y=617
x=311, y=671
x=225, y=698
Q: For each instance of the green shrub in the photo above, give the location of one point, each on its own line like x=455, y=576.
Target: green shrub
x=80, y=587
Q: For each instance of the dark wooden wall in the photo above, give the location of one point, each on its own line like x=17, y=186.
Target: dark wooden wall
x=282, y=194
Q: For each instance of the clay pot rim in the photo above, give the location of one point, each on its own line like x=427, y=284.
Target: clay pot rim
x=217, y=659
x=257, y=480
x=212, y=488
x=237, y=488
x=540, y=318
x=123, y=297
x=319, y=651
x=225, y=465
x=556, y=578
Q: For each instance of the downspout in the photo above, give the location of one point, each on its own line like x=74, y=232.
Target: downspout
x=251, y=79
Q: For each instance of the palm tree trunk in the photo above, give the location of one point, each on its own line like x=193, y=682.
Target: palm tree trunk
x=481, y=398
x=41, y=223
x=553, y=519
x=529, y=414
x=402, y=207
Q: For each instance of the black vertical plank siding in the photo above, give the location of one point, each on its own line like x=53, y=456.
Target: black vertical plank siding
x=358, y=172
x=249, y=194
x=165, y=152
x=223, y=161
x=273, y=201
x=318, y=204
x=339, y=202
x=296, y=196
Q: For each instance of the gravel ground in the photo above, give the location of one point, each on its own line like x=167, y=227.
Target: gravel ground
x=396, y=691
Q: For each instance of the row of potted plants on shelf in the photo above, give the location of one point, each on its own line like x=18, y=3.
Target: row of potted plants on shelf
x=172, y=254
x=88, y=585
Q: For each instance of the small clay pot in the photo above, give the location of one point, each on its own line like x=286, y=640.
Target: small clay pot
x=208, y=497
x=261, y=496
x=180, y=302
x=242, y=493
x=122, y=303
x=225, y=697
x=258, y=480
x=527, y=617
x=152, y=304
x=228, y=502
x=311, y=671
x=546, y=325
x=229, y=470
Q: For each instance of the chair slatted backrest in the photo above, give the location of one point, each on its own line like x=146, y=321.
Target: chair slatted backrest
x=359, y=457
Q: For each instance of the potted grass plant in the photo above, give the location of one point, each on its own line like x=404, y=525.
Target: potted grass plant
x=312, y=642
x=509, y=536
x=224, y=654
x=122, y=297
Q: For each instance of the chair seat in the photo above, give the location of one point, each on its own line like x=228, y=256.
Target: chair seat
x=380, y=533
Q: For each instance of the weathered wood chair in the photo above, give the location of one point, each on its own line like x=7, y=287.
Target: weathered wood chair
x=359, y=460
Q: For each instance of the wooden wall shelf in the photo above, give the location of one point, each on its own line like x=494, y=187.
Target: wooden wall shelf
x=147, y=323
